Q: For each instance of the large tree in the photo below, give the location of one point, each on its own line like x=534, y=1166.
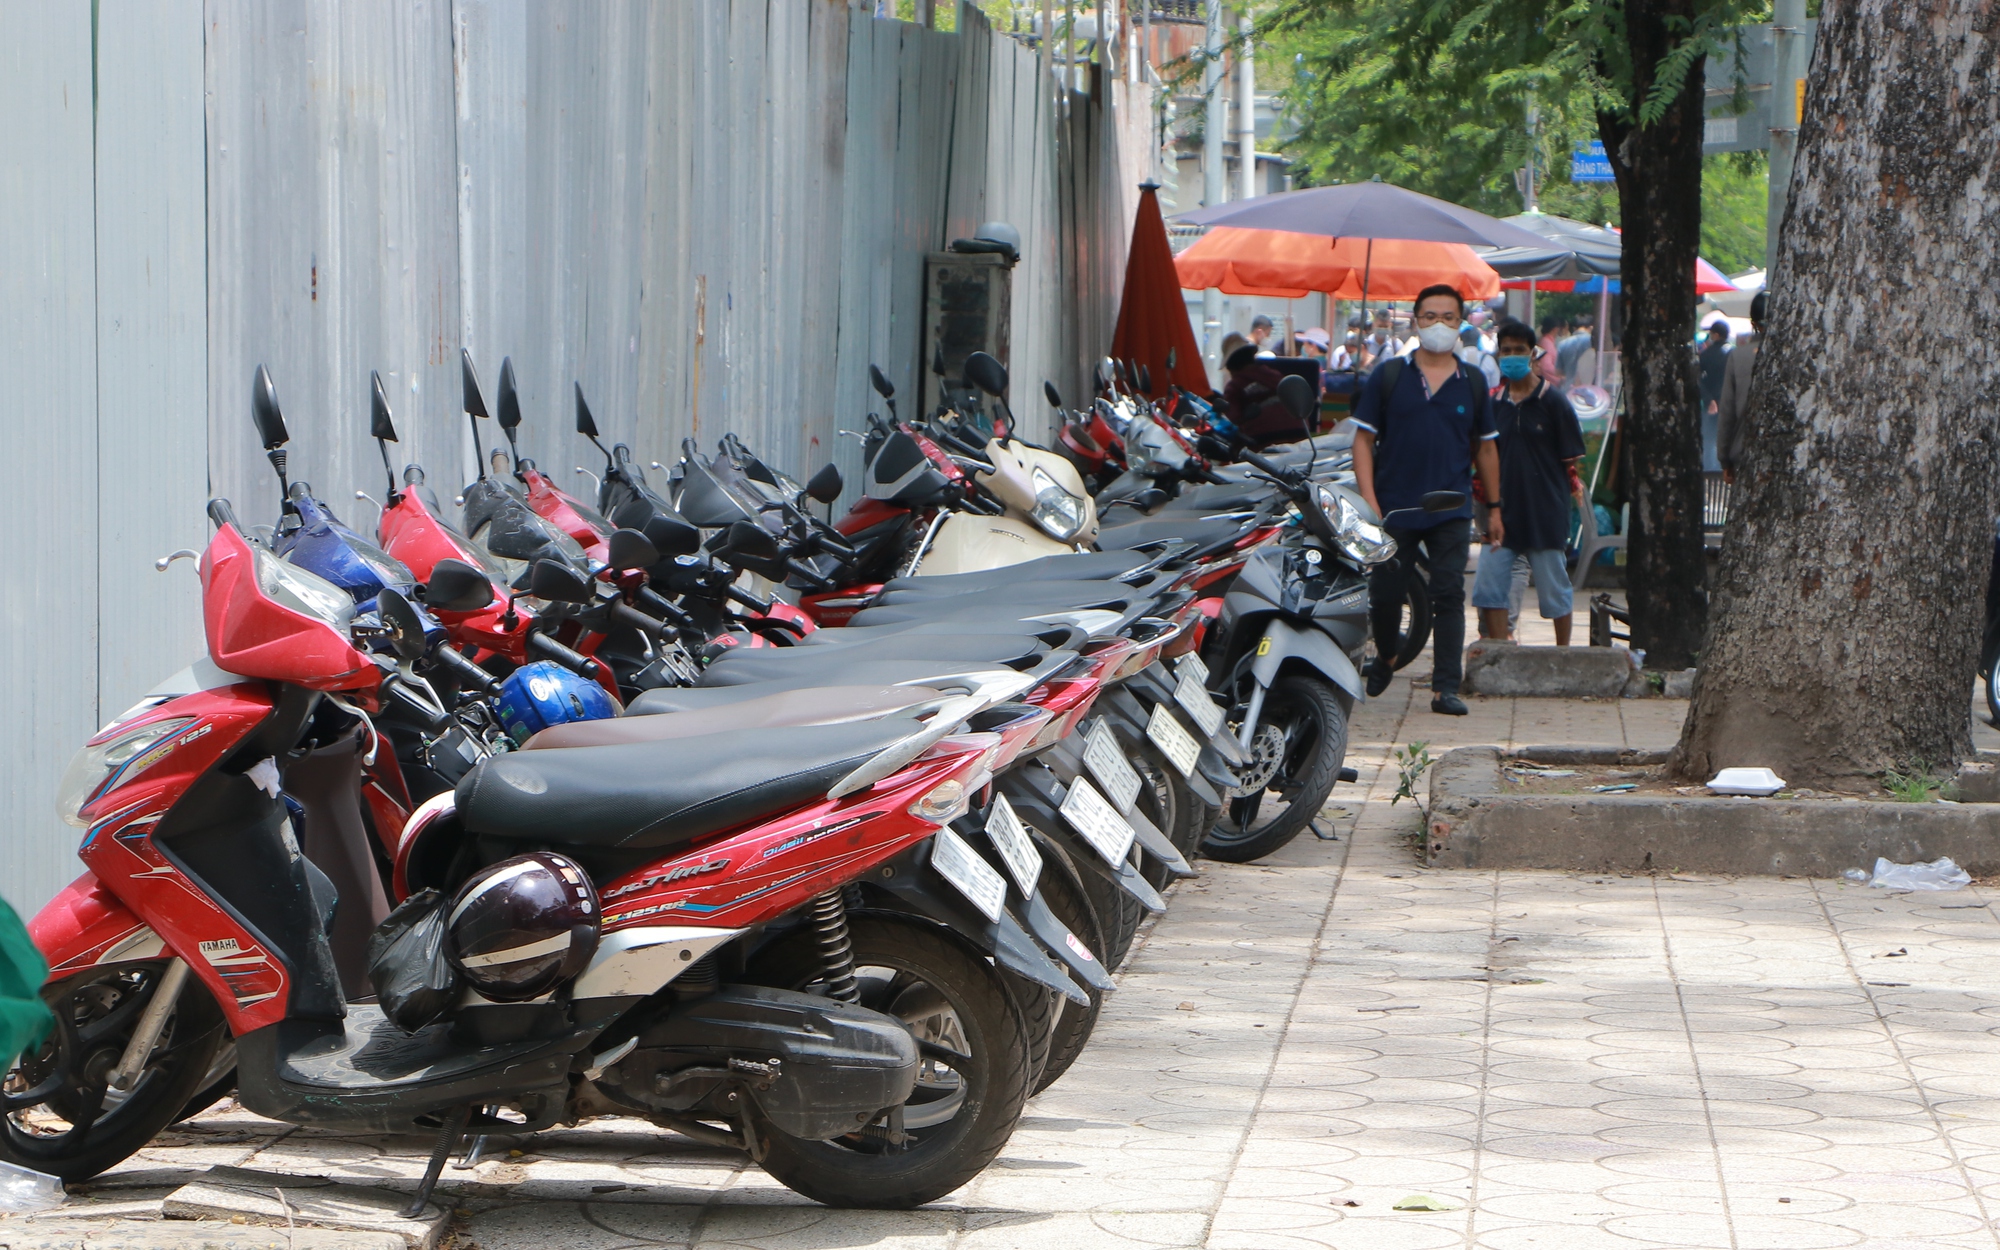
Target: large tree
x=1849, y=601
x=1440, y=71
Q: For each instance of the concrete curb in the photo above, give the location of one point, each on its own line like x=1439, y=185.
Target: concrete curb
x=1475, y=823
x=1510, y=670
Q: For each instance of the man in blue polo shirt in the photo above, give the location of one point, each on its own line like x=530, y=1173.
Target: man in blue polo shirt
x=1422, y=424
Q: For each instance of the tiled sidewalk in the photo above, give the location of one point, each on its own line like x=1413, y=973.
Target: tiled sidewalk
x=1565, y=1061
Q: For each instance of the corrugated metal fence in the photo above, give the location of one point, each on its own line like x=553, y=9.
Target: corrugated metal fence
x=712, y=215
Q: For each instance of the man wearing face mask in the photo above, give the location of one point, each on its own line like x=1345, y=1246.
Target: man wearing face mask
x=1540, y=442
x=1421, y=425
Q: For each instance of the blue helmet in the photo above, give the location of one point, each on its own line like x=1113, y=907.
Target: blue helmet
x=544, y=693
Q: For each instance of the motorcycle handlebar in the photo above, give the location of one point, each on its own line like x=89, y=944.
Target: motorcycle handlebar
x=549, y=649
x=468, y=673
x=625, y=614
x=805, y=572
x=666, y=608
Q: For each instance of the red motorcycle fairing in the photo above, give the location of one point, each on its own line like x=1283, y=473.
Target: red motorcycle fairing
x=868, y=511
x=252, y=634
x=550, y=503
x=837, y=607
x=409, y=532
x=247, y=979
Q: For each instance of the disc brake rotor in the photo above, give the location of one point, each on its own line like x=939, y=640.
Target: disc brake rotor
x=1267, y=752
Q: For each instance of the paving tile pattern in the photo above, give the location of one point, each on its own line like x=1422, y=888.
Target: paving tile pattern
x=1562, y=1061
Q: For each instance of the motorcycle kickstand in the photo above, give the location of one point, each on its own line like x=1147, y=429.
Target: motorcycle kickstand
x=470, y=1159
x=454, y=1128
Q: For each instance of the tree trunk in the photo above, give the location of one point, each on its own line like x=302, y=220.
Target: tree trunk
x=1852, y=584
x=1658, y=168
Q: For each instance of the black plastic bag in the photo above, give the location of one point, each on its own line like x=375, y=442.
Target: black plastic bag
x=414, y=982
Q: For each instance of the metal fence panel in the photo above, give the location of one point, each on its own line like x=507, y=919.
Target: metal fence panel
x=48, y=356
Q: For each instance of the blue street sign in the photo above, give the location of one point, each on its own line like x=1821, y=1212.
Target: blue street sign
x=1589, y=163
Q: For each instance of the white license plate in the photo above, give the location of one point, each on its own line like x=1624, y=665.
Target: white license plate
x=1177, y=744
x=1106, y=761
x=1092, y=815
x=1193, y=696
x=1191, y=666
x=1017, y=849
x=959, y=864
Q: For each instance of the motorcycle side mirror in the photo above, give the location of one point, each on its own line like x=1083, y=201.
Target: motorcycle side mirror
x=1149, y=499
x=456, y=586
x=405, y=628
x=556, y=582
x=1171, y=353
x=509, y=415
x=264, y=410
x=1105, y=374
x=1444, y=501
x=986, y=373
x=1296, y=394
x=1146, y=379
x=824, y=486
x=586, y=424
x=475, y=402
x=629, y=549
x=669, y=534
x=1050, y=393
x=381, y=424
x=746, y=540
x=937, y=359
x=880, y=382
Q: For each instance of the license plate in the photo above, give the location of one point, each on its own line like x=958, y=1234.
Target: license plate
x=959, y=864
x=1106, y=761
x=1191, y=666
x=1017, y=849
x=1193, y=696
x=1092, y=815
x=1177, y=744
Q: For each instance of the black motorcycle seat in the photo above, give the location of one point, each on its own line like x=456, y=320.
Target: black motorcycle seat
x=942, y=675
x=1220, y=497
x=1198, y=531
x=1019, y=604
x=819, y=705
x=1032, y=597
x=651, y=795
x=832, y=663
x=1082, y=566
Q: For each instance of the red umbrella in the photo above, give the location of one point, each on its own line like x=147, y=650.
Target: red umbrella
x=1152, y=315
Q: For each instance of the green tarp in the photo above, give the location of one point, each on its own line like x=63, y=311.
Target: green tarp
x=24, y=1019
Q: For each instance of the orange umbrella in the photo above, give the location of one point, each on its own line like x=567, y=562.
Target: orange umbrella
x=1152, y=315
x=1283, y=265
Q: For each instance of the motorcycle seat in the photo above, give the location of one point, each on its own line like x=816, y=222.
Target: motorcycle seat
x=1167, y=529
x=650, y=795
x=817, y=705
x=1018, y=604
x=942, y=675
x=831, y=663
x=1219, y=497
x=1082, y=566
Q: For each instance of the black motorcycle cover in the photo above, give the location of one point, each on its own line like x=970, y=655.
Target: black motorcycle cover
x=414, y=982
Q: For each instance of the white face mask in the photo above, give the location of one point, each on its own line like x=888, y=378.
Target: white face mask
x=1438, y=338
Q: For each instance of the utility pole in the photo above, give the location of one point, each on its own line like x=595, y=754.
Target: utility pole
x=1214, y=187
x=1788, y=65
x=1246, y=105
x=1534, y=150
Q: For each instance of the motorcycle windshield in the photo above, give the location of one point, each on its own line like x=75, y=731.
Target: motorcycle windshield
x=323, y=546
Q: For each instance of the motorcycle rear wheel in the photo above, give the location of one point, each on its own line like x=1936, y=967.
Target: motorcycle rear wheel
x=60, y=1114
x=963, y=1110
x=1302, y=741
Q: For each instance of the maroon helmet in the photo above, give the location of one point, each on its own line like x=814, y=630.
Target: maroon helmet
x=523, y=926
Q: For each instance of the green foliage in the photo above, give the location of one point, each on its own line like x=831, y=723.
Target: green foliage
x=1734, y=191
x=1411, y=761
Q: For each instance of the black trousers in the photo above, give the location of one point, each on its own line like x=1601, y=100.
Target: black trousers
x=1447, y=547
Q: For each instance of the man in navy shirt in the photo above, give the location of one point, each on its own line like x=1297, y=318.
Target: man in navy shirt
x=1421, y=425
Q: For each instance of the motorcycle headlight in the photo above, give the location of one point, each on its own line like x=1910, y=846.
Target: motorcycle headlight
x=302, y=592
x=1361, y=539
x=1056, y=510
x=98, y=765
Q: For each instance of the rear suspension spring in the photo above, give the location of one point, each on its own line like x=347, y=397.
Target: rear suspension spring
x=828, y=914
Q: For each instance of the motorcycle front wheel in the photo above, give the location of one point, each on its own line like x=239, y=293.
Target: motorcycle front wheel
x=58, y=1112
x=1416, y=624
x=1295, y=756
x=970, y=1088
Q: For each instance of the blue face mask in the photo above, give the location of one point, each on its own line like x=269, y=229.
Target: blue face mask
x=1515, y=368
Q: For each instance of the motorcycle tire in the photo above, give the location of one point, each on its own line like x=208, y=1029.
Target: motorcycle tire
x=1300, y=746
x=1416, y=623
x=96, y=1013
x=1993, y=692
x=1163, y=803
x=1062, y=889
x=220, y=1083
x=1037, y=1005
x=960, y=1117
